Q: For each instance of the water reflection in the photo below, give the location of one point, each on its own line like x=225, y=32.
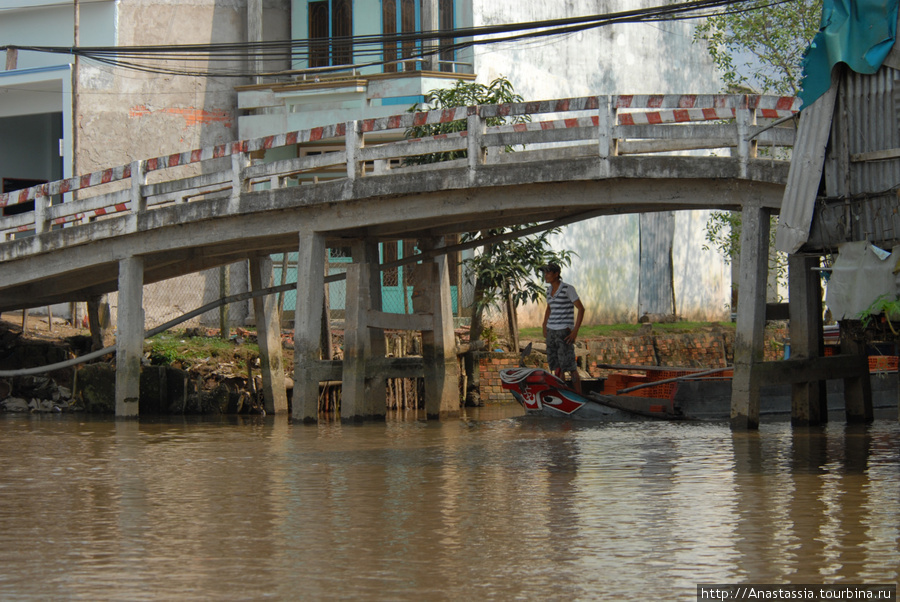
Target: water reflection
x=488, y=506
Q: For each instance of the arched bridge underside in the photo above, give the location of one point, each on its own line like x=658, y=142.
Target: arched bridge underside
x=77, y=263
x=574, y=159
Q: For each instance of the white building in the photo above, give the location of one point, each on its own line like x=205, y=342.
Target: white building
x=122, y=114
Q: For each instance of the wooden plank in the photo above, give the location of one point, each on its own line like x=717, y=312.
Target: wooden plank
x=396, y=367
x=808, y=398
x=801, y=370
x=268, y=337
x=375, y=403
x=880, y=155
x=390, y=321
x=778, y=311
x=857, y=386
x=307, y=325
x=353, y=393
x=441, y=369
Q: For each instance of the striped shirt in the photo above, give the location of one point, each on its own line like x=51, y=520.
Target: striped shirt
x=562, y=307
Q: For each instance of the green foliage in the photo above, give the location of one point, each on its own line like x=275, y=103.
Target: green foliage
x=462, y=94
x=762, y=43
x=513, y=265
x=510, y=267
x=169, y=347
x=490, y=338
x=723, y=233
x=882, y=305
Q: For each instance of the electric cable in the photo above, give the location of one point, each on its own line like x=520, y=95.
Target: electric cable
x=408, y=46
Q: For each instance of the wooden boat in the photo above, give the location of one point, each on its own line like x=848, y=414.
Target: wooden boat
x=685, y=397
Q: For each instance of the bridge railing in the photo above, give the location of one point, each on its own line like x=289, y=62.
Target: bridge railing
x=599, y=126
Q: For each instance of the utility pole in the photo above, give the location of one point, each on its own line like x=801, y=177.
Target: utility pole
x=75, y=43
x=73, y=307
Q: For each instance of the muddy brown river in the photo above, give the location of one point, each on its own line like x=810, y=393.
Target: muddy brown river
x=493, y=506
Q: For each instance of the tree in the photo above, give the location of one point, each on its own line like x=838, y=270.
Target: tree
x=759, y=46
x=762, y=44
x=505, y=274
x=462, y=94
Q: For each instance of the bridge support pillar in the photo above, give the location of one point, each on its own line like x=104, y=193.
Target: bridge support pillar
x=808, y=399
x=369, y=340
x=857, y=388
x=129, y=336
x=749, y=336
x=268, y=330
x=363, y=394
x=308, y=326
x=432, y=295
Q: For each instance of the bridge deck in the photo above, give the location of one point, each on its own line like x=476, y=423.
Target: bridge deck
x=204, y=208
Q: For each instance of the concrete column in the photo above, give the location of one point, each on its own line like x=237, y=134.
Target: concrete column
x=749, y=337
x=746, y=119
x=808, y=399
x=607, y=144
x=353, y=379
x=375, y=399
x=268, y=334
x=308, y=326
x=432, y=295
x=354, y=141
x=857, y=389
x=138, y=181
x=475, y=146
x=129, y=336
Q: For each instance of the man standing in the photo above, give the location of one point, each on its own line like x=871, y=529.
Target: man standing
x=561, y=324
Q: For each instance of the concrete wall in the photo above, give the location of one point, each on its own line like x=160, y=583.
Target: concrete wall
x=123, y=114
x=623, y=59
x=627, y=58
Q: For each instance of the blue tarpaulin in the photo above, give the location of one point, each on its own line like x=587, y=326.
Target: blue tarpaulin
x=859, y=33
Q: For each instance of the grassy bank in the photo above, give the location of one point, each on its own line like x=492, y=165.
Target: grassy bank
x=626, y=330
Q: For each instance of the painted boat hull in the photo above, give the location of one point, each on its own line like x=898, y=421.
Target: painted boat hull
x=541, y=393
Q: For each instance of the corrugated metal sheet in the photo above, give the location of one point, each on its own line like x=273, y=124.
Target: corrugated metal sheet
x=860, y=202
x=870, y=105
x=805, y=173
x=860, y=177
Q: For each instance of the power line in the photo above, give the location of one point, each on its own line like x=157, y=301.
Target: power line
x=221, y=59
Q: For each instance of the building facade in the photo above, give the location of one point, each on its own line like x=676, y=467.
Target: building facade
x=56, y=120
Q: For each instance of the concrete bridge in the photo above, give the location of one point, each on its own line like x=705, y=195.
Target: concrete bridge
x=155, y=219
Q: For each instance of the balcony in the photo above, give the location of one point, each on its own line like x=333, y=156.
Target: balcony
x=312, y=100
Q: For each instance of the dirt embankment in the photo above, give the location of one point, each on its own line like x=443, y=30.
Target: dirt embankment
x=184, y=373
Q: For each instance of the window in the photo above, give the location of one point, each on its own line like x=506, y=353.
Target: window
x=330, y=31
x=404, y=16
